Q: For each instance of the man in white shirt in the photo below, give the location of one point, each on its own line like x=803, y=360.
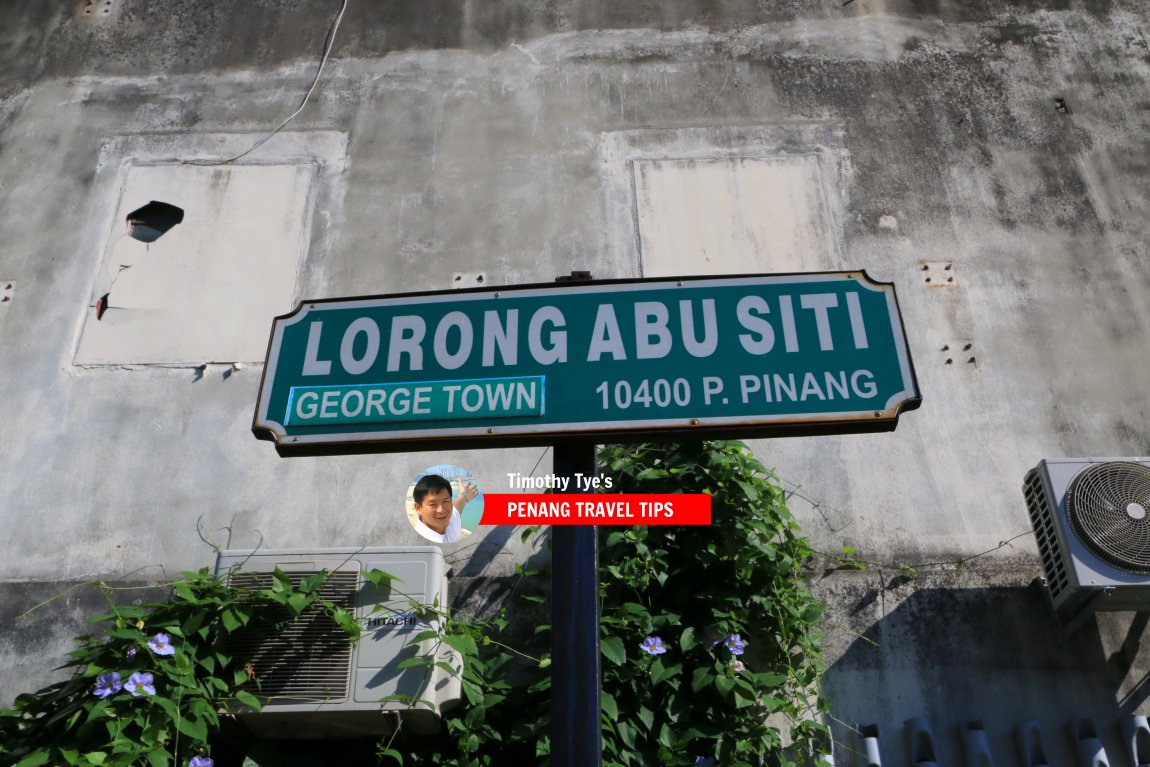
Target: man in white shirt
x=437, y=514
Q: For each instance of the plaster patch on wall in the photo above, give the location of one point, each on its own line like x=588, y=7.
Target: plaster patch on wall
x=98, y=9
x=738, y=215
x=208, y=289
x=726, y=200
x=468, y=279
x=939, y=274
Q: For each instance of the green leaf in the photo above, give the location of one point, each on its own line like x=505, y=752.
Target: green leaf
x=159, y=757
x=663, y=673
x=377, y=577
x=613, y=650
x=247, y=699
x=772, y=703
x=193, y=728
x=230, y=620
x=35, y=759
x=701, y=677
x=347, y=622
x=724, y=684
x=687, y=640
x=280, y=581
x=608, y=705
x=771, y=679
x=193, y=622
x=391, y=753
x=461, y=643
x=418, y=660
x=751, y=490
x=126, y=633
x=313, y=581
x=298, y=602
x=742, y=700
x=626, y=733
x=184, y=591
x=96, y=757
x=168, y=705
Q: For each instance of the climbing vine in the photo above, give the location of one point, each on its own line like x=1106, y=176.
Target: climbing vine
x=147, y=688
x=708, y=635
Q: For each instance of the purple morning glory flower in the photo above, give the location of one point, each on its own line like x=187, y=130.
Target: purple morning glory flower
x=735, y=644
x=653, y=646
x=161, y=644
x=140, y=683
x=201, y=761
x=107, y=684
x=704, y=761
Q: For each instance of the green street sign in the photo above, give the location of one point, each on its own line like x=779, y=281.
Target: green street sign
x=685, y=358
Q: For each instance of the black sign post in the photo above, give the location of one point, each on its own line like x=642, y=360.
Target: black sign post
x=575, y=680
x=576, y=740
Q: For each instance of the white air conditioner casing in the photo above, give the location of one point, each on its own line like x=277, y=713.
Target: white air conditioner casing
x=1091, y=519
x=314, y=682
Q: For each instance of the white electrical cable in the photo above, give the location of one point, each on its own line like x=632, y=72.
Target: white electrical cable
x=326, y=52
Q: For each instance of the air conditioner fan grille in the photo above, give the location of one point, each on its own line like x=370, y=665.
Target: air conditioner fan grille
x=309, y=657
x=1043, y=520
x=1108, y=505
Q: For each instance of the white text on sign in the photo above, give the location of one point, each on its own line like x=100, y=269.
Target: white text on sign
x=656, y=333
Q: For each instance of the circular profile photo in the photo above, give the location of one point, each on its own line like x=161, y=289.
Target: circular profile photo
x=444, y=503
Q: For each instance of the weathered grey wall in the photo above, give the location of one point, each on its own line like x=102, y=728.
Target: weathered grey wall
x=489, y=138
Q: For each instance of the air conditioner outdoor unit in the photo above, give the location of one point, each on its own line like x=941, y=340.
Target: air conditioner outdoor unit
x=313, y=681
x=1091, y=520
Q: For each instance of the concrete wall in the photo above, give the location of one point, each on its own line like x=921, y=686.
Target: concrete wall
x=501, y=139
